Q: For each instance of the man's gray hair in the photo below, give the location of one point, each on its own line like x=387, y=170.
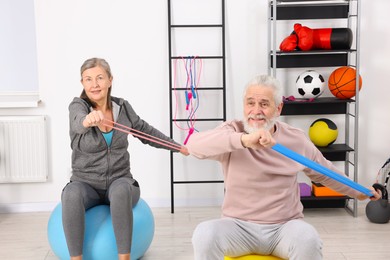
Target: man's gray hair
x=269, y=82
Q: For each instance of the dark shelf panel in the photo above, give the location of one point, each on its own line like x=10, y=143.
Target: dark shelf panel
x=336, y=152
x=311, y=11
x=320, y=106
x=315, y=198
x=324, y=202
x=301, y=59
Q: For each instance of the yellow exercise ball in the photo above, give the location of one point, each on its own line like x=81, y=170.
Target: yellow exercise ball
x=323, y=132
x=253, y=257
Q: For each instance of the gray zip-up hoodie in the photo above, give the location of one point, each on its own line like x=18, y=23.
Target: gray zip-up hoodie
x=93, y=161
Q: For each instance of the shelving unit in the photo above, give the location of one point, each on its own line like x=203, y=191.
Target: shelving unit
x=220, y=57
x=344, y=11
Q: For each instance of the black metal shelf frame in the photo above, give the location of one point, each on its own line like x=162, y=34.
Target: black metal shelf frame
x=290, y=10
x=222, y=88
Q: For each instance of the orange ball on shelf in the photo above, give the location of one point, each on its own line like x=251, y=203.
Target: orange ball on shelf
x=342, y=82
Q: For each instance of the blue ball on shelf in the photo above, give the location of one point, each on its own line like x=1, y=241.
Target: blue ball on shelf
x=99, y=238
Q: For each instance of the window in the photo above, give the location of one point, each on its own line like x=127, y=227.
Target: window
x=18, y=54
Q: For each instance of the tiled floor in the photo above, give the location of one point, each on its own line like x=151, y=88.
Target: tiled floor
x=23, y=235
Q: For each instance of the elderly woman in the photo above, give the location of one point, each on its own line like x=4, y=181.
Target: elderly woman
x=100, y=158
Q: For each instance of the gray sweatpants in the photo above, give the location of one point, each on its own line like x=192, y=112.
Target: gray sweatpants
x=294, y=240
x=77, y=197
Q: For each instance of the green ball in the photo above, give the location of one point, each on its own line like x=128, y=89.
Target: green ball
x=323, y=132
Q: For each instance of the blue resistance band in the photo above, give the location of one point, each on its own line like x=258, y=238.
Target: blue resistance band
x=321, y=169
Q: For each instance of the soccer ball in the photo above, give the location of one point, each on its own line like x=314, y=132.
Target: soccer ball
x=310, y=84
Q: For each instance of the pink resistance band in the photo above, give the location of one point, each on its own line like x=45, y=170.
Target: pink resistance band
x=140, y=134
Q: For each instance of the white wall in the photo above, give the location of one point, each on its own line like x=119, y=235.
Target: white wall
x=133, y=37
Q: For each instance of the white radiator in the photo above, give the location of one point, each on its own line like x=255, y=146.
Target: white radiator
x=23, y=149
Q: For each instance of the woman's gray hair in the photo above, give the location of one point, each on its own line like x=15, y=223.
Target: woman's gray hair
x=269, y=82
x=92, y=63
x=96, y=62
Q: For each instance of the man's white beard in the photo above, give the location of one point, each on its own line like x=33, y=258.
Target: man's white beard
x=266, y=126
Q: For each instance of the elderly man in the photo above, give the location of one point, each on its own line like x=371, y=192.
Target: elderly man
x=261, y=212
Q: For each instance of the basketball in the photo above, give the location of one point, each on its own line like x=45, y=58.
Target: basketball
x=323, y=132
x=342, y=82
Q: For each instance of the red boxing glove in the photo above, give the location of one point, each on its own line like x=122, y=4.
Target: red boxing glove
x=305, y=37
x=289, y=43
x=301, y=38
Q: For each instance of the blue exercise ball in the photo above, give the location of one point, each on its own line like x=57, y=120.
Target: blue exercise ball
x=99, y=238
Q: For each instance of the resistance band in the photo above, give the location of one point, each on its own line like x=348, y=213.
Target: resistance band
x=134, y=132
x=321, y=169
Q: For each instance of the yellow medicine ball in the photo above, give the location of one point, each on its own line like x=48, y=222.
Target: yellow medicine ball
x=323, y=132
x=253, y=257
